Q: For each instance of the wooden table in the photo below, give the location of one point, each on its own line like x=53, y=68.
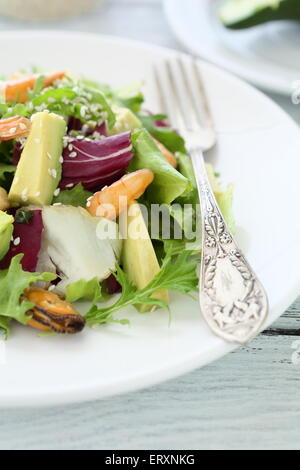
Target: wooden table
x=247, y=400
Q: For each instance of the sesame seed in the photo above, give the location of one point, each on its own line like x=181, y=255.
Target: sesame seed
x=13, y=130
x=51, y=288
x=70, y=185
x=22, y=126
x=56, y=192
x=49, y=155
x=17, y=241
x=54, y=173
x=97, y=135
x=73, y=155
x=38, y=193
x=70, y=147
x=58, y=204
x=85, y=128
x=61, y=159
x=88, y=204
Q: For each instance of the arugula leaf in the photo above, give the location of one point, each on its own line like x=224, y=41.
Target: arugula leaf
x=24, y=217
x=84, y=290
x=38, y=87
x=166, y=135
x=72, y=99
x=176, y=274
x=5, y=169
x=6, y=151
x=168, y=183
x=13, y=282
x=76, y=196
x=4, y=326
x=19, y=109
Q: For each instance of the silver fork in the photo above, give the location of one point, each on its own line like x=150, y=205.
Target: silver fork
x=232, y=299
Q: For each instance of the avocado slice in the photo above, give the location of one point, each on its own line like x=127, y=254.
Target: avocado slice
x=39, y=169
x=6, y=231
x=138, y=256
x=240, y=14
x=126, y=121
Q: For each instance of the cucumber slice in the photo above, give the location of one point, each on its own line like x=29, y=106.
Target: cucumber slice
x=240, y=14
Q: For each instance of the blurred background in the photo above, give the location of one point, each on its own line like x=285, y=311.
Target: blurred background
x=116, y=17
x=188, y=412
x=146, y=20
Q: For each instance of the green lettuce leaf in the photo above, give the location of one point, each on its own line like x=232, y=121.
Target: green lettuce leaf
x=225, y=201
x=168, y=183
x=129, y=96
x=166, y=135
x=76, y=196
x=84, y=290
x=13, y=282
x=185, y=167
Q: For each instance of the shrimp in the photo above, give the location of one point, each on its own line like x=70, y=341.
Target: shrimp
x=169, y=156
x=14, y=127
x=17, y=90
x=50, y=313
x=112, y=200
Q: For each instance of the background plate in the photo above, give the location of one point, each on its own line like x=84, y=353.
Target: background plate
x=267, y=55
x=258, y=149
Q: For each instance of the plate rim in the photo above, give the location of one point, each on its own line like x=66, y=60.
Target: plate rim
x=215, y=351
x=232, y=67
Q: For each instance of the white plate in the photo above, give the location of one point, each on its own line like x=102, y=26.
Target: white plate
x=258, y=149
x=267, y=55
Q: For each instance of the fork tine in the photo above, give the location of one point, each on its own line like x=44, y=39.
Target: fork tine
x=194, y=114
x=183, y=98
x=162, y=96
x=202, y=94
x=181, y=92
x=165, y=96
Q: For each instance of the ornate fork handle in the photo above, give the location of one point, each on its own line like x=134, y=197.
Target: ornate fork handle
x=232, y=299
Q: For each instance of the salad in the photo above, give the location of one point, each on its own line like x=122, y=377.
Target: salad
x=97, y=198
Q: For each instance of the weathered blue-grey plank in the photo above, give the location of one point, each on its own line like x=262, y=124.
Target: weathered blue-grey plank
x=249, y=399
